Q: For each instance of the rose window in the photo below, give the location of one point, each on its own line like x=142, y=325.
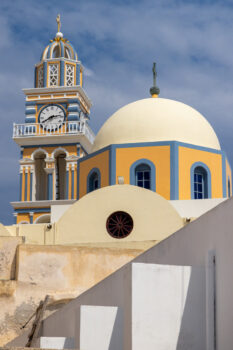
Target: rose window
x=119, y=224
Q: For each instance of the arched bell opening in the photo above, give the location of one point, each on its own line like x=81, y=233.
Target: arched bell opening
x=41, y=182
x=60, y=176
x=43, y=219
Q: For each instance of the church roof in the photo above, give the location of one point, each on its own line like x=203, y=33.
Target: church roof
x=156, y=119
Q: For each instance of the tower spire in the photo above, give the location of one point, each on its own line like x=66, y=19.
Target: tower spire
x=154, y=90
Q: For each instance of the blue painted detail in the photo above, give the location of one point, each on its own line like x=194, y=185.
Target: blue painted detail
x=165, y=143
x=72, y=117
x=26, y=185
x=174, y=170
x=204, y=166
x=62, y=72
x=15, y=219
x=152, y=168
x=89, y=185
x=31, y=219
x=30, y=120
x=30, y=103
x=35, y=210
x=77, y=82
x=45, y=65
x=67, y=184
x=21, y=153
x=74, y=100
x=62, y=49
x=50, y=187
x=30, y=111
x=224, y=176
x=20, y=186
x=51, y=102
x=72, y=184
x=112, y=165
x=31, y=177
x=73, y=109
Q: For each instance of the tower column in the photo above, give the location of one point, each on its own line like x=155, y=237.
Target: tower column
x=71, y=177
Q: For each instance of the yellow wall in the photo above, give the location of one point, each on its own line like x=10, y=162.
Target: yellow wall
x=159, y=155
x=23, y=217
x=100, y=161
x=72, y=150
x=187, y=157
x=228, y=175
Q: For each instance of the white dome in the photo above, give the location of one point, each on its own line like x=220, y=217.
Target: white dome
x=156, y=119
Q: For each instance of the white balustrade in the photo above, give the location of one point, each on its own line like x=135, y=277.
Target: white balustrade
x=67, y=128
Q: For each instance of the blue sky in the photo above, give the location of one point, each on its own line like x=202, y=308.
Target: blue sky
x=117, y=41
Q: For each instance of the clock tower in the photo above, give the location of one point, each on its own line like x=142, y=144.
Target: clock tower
x=55, y=133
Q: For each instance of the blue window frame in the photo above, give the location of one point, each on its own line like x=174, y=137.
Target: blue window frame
x=93, y=180
x=200, y=181
x=200, y=184
x=143, y=176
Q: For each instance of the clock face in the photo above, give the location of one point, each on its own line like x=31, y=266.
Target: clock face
x=51, y=117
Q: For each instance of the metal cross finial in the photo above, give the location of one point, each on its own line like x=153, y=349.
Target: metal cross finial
x=58, y=19
x=154, y=73
x=154, y=91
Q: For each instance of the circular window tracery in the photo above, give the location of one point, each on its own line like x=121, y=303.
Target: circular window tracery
x=119, y=224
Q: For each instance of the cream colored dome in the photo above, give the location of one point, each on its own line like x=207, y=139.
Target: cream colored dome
x=156, y=119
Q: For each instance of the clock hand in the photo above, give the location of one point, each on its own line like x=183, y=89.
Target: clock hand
x=51, y=117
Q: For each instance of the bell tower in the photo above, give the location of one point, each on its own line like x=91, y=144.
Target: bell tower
x=55, y=133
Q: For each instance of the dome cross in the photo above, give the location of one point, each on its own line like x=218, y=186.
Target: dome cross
x=154, y=90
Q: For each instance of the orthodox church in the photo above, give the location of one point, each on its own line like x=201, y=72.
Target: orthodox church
x=155, y=143
x=155, y=183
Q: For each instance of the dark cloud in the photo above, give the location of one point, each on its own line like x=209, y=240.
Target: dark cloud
x=117, y=41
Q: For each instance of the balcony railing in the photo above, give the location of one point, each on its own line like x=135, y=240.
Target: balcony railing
x=66, y=128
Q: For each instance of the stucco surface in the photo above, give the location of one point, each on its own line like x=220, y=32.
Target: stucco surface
x=8, y=246
x=85, y=221
x=62, y=272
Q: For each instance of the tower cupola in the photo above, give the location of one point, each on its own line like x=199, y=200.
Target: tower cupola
x=59, y=64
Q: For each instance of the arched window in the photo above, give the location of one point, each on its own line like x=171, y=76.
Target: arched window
x=93, y=180
x=142, y=174
x=200, y=181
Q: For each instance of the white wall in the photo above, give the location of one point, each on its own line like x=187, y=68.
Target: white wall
x=159, y=297
x=101, y=327
x=195, y=207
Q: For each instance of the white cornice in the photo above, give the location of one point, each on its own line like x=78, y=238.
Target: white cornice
x=65, y=89
x=41, y=204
